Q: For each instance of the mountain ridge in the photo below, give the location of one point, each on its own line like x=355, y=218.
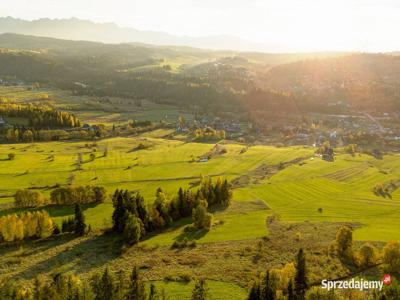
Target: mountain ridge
x=85, y=30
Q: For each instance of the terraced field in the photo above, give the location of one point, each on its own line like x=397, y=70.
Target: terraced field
x=338, y=191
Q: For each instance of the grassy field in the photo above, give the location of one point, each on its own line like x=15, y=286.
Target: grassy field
x=90, y=109
x=217, y=290
x=343, y=190
x=312, y=190
x=166, y=163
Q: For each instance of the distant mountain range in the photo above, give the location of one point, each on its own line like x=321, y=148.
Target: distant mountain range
x=76, y=29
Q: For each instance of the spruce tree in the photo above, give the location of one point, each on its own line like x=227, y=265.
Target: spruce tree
x=290, y=292
x=301, y=276
x=181, y=203
x=254, y=293
x=120, y=287
x=136, y=289
x=103, y=287
x=153, y=292
x=267, y=292
x=37, y=289
x=119, y=213
x=200, y=290
x=80, y=225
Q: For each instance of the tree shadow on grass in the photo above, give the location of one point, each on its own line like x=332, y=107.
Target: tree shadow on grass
x=30, y=247
x=191, y=234
x=82, y=256
x=181, y=227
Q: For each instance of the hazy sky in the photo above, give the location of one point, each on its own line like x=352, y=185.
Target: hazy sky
x=304, y=25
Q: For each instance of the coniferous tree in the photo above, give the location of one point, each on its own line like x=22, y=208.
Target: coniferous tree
x=37, y=289
x=80, y=225
x=200, y=291
x=181, y=203
x=103, y=287
x=120, y=288
x=136, y=289
x=290, y=293
x=254, y=293
x=153, y=295
x=119, y=214
x=300, y=282
x=267, y=292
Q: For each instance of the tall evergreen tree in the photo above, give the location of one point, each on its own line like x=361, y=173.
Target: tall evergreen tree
x=80, y=225
x=300, y=282
x=120, y=288
x=200, y=291
x=37, y=289
x=119, y=214
x=254, y=293
x=290, y=293
x=153, y=295
x=103, y=287
x=267, y=292
x=136, y=289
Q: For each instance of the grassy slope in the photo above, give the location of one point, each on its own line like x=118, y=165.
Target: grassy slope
x=343, y=189
x=166, y=164
x=217, y=290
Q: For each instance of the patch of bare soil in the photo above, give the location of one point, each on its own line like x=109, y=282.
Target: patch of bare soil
x=263, y=172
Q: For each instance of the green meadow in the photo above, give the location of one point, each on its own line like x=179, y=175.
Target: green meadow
x=312, y=190
x=217, y=290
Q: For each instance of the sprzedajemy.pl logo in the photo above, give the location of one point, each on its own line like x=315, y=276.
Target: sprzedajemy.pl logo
x=357, y=284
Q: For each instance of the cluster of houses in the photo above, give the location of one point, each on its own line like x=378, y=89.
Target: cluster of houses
x=232, y=129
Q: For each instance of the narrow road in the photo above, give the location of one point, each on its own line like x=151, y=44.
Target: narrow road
x=381, y=128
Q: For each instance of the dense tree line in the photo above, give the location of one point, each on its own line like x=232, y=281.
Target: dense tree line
x=133, y=218
x=367, y=255
x=61, y=196
x=290, y=282
x=27, y=135
x=40, y=116
x=101, y=286
x=78, y=194
x=25, y=226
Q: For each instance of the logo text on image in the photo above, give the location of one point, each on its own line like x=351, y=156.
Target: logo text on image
x=357, y=284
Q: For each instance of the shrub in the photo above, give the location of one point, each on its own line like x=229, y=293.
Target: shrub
x=391, y=257
x=132, y=230
x=367, y=255
x=28, y=198
x=201, y=218
x=344, y=242
x=78, y=194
